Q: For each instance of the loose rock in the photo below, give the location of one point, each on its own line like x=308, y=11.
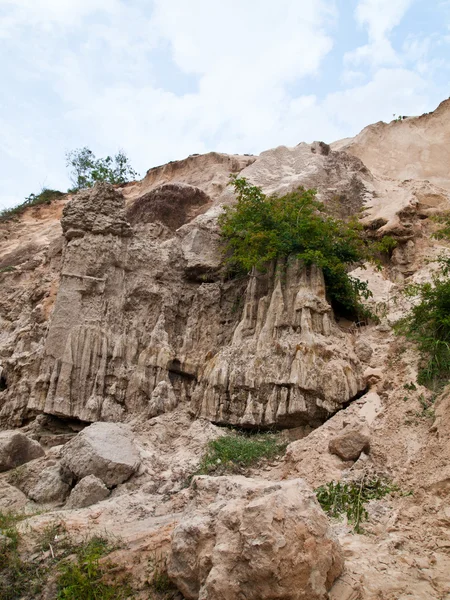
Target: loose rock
x=349, y=445
x=89, y=490
x=102, y=449
x=16, y=449
x=49, y=487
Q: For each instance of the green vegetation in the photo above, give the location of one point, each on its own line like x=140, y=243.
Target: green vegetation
x=159, y=581
x=86, y=169
x=44, y=197
x=259, y=229
x=349, y=499
x=82, y=578
x=428, y=325
x=75, y=567
x=231, y=453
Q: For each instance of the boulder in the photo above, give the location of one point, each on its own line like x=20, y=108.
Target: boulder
x=349, y=444
x=253, y=539
x=49, y=486
x=105, y=450
x=11, y=499
x=89, y=490
x=16, y=449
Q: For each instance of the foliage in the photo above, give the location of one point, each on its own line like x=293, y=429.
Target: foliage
x=160, y=581
x=79, y=572
x=259, y=229
x=443, y=232
x=46, y=196
x=339, y=498
x=82, y=578
x=385, y=245
x=86, y=169
x=238, y=450
x=428, y=325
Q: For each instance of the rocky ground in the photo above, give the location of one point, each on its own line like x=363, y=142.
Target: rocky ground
x=123, y=354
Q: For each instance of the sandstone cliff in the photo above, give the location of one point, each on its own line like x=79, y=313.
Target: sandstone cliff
x=113, y=307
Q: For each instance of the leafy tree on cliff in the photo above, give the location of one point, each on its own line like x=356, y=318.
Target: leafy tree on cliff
x=259, y=229
x=86, y=169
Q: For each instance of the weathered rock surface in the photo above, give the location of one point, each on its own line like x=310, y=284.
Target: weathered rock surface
x=350, y=444
x=11, y=498
x=17, y=449
x=105, y=450
x=255, y=539
x=49, y=487
x=88, y=490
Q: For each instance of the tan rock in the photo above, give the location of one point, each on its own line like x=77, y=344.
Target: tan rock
x=105, y=450
x=17, y=449
x=349, y=444
x=244, y=537
x=88, y=490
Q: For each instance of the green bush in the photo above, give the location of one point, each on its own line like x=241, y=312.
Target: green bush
x=86, y=169
x=46, y=196
x=235, y=451
x=349, y=499
x=259, y=229
x=428, y=325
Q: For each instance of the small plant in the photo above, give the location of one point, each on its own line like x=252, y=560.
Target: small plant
x=349, y=499
x=386, y=245
x=428, y=325
x=159, y=581
x=410, y=386
x=86, y=169
x=236, y=451
x=82, y=578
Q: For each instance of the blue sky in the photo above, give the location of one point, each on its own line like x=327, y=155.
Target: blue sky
x=163, y=79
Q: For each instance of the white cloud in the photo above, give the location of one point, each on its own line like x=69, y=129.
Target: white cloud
x=379, y=17
x=88, y=72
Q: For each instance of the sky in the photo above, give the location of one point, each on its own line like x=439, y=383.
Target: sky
x=162, y=79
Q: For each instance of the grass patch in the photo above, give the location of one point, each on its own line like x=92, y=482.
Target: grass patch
x=75, y=568
x=232, y=453
x=160, y=582
x=349, y=499
x=46, y=196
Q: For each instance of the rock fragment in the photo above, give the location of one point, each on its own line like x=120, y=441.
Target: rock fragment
x=350, y=444
x=89, y=490
x=17, y=449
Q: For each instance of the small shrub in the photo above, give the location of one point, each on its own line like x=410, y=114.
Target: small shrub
x=349, y=499
x=46, y=196
x=236, y=451
x=259, y=229
x=428, y=325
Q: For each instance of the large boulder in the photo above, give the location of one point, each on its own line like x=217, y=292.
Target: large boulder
x=253, y=539
x=89, y=490
x=105, y=450
x=16, y=449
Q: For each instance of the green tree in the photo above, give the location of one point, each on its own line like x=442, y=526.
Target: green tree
x=259, y=229
x=86, y=169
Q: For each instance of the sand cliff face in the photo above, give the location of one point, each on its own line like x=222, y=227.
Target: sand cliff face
x=113, y=308
x=124, y=311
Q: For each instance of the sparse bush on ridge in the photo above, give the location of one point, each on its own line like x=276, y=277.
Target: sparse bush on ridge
x=46, y=196
x=259, y=229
